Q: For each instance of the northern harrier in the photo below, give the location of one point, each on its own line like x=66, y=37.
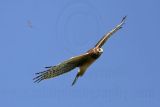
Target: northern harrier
x=82, y=61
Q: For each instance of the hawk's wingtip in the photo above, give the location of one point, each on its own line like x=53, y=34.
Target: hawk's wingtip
x=124, y=18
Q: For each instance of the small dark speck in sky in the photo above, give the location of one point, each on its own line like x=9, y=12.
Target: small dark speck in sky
x=29, y=23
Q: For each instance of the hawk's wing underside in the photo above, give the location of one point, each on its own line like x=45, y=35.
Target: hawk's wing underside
x=61, y=68
x=109, y=34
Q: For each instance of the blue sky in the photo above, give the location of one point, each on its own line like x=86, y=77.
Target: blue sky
x=39, y=33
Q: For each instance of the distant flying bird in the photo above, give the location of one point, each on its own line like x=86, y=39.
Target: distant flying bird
x=82, y=61
x=29, y=23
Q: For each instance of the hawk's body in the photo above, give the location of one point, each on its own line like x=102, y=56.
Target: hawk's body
x=82, y=61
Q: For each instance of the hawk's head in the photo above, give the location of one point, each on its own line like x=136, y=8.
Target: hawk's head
x=96, y=52
x=100, y=50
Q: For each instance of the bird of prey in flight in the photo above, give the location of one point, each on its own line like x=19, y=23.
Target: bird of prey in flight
x=82, y=61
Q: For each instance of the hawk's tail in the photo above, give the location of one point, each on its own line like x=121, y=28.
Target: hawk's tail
x=75, y=79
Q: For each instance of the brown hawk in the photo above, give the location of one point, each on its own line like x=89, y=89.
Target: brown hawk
x=82, y=61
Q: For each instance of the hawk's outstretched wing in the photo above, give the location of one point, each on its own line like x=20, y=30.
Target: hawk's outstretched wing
x=105, y=37
x=61, y=68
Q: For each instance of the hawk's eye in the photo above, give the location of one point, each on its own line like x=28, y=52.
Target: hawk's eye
x=100, y=50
